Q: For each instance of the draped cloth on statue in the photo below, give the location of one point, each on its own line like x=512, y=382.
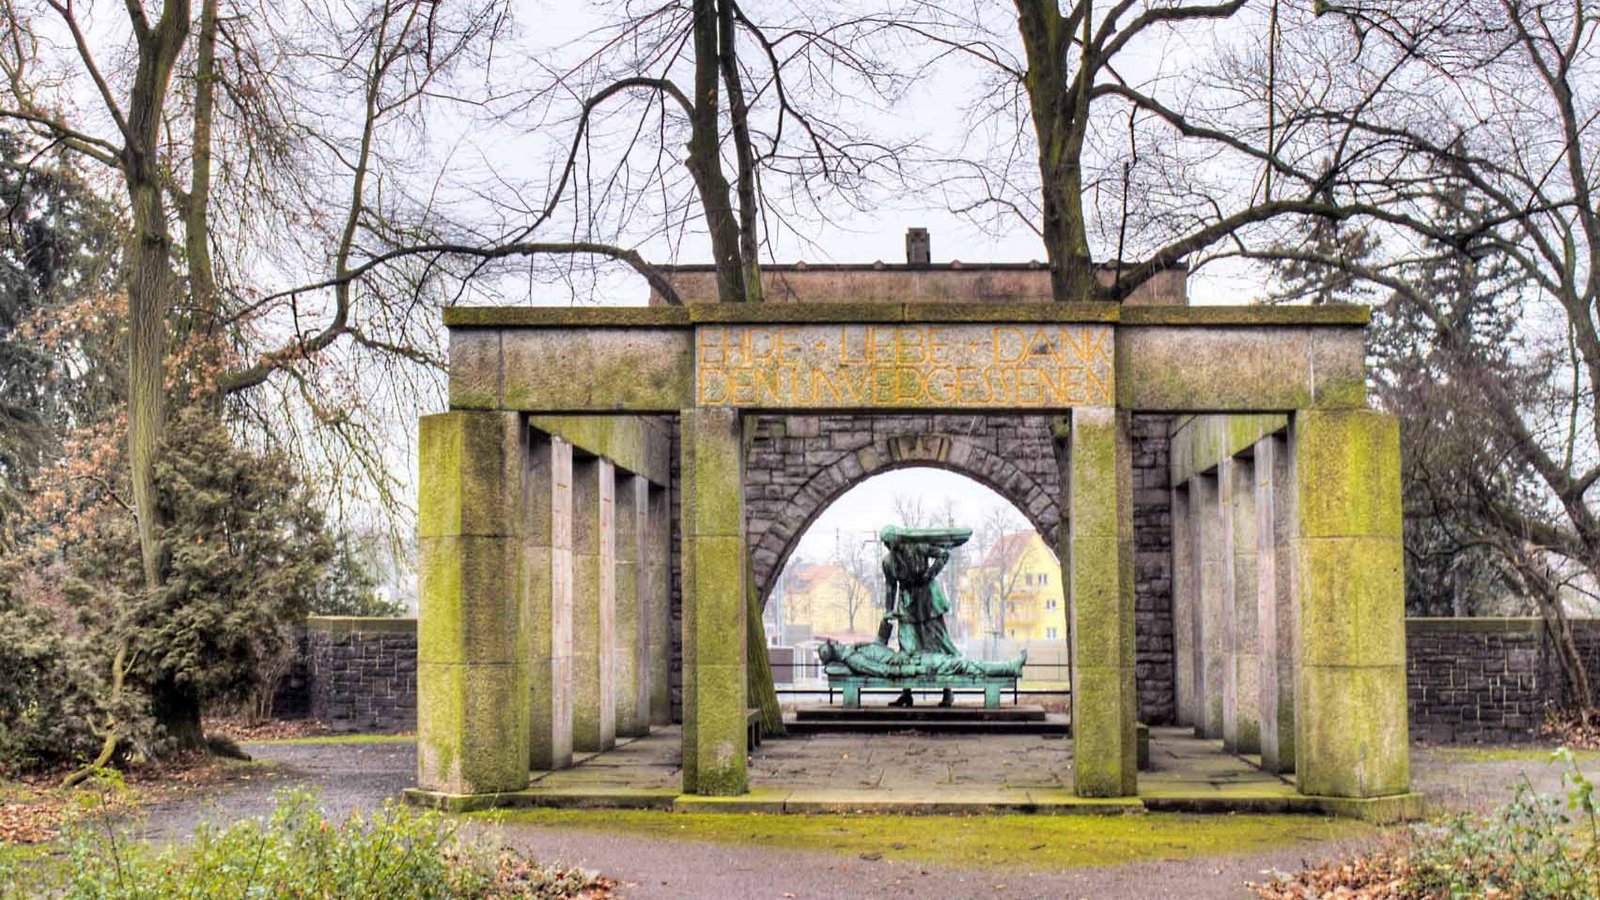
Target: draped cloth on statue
x=875, y=660
x=912, y=593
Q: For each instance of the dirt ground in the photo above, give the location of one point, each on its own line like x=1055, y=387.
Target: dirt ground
x=362, y=775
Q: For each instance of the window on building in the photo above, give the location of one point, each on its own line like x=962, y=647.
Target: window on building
x=1051, y=604
x=1044, y=577
x=1050, y=633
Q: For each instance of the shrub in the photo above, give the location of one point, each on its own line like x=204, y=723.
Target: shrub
x=299, y=852
x=50, y=690
x=1535, y=847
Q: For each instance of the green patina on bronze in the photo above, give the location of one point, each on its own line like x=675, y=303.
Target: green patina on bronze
x=914, y=609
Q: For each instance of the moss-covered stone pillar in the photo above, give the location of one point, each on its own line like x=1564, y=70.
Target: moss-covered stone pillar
x=1241, y=680
x=548, y=552
x=627, y=657
x=1275, y=600
x=1185, y=588
x=1099, y=556
x=658, y=602
x=1351, y=737
x=714, y=692
x=1205, y=510
x=594, y=601
x=472, y=635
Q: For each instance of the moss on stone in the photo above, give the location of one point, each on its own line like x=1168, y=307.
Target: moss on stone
x=1012, y=312
x=795, y=312
x=1334, y=314
x=563, y=316
x=362, y=624
x=1004, y=842
x=1348, y=464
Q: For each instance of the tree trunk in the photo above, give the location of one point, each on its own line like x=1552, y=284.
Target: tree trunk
x=1060, y=109
x=739, y=118
x=705, y=159
x=152, y=287
x=177, y=708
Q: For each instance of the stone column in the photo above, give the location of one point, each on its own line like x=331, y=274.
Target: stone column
x=714, y=602
x=1241, y=685
x=1099, y=554
x=1205, y=510
x=627, y=657
x=1351, y=729
x=1276, y=601
x=472, y=637
x=548, y=549
x=657, y=562
x=1185, y=588
x=594, y=599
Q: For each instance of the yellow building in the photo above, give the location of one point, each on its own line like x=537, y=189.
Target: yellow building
x=1014, y=593
x=833, y=602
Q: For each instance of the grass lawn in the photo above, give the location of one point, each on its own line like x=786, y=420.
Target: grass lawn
x=1534, y=754
x=1037, y=842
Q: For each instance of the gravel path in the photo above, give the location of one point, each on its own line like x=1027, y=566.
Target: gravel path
x=361, y=775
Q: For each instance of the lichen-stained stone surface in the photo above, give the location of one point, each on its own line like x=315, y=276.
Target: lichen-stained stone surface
x=1240, y=367
x=1352, y=738
x=1098, y=554
x=714, y=602
x=473, y=629
x=904, y=366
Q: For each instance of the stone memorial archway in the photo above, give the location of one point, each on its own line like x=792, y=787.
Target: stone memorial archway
x=546, y=495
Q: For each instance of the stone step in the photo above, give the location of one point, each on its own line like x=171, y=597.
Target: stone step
x=1053, y=725
x=926, y=713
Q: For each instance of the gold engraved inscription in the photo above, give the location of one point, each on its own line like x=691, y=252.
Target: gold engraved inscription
x=822, y=366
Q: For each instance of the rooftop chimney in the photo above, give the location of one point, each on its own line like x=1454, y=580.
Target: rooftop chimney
x=917, y=251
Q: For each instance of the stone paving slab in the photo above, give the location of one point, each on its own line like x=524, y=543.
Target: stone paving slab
x=926, y=774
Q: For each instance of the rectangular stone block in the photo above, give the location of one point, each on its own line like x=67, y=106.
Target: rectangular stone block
x=1348, y=469
x=1102, y=591
x=627, y=658
x=714, y=603
x=712, y=451
x=472, y=728
x=1099, y=561
x=715, y=756
x=1214, y=579
x=1277, y=592
x=594, y=604
x=657, y=608
x=1104, y=748
x=1354, y=738
x=548, y=560
x=1241, y=725
x=1185, y=589
x=473, y=602
x=597, y=370
x=550, y=711
x=1238, y=367
x=470, y=474
x=1353, y=601
x=474, y=376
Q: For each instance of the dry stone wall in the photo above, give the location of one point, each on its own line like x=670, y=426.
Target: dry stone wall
x=362, y=673
x=1486, y=680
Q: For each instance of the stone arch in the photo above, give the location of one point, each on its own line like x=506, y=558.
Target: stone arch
x=798, y=465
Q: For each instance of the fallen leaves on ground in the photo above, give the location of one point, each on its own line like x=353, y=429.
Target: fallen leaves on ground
x=1567, y=728
x=1376, y=877
x=245, y=728
x=35, y=808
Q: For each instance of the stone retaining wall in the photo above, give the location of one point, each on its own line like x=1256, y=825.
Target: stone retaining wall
x=1486, y=680
x=362, y=672
x=1468, y=680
